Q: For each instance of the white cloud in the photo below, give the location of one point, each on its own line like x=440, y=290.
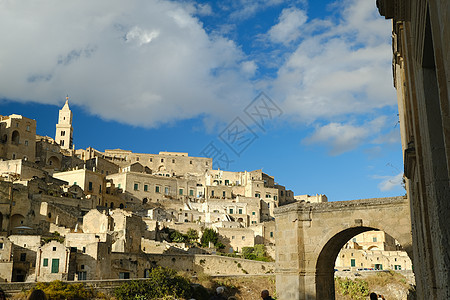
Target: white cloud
x=342, y=137
x=140, y=62
x=288, y=28
x=249, y=67
x=345, y=137
x=390, y=183
x=204, y=9
x=341, y=66
x=141, y=36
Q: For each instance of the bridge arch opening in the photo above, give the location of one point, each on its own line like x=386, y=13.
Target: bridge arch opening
x=325, y=266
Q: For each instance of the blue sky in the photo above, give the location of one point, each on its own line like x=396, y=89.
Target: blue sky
x=187, y=76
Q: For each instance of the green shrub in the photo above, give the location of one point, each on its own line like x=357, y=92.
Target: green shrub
x=357, y=289
x=160, y=284
x=178, y=237
x=56, y=290
x=258, y=252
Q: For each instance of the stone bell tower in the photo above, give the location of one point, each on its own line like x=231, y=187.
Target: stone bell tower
x=64, y=130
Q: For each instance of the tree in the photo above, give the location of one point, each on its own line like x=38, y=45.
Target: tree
x=178, y=237
x=209, y=235
x=192, y=235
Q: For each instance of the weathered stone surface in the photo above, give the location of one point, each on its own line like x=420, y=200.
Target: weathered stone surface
x=310, y=236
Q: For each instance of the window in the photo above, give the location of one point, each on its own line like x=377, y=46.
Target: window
x=145, y=187
x=232, y=237
x=190, y=162
x=352, y=262
x=1, y=245
x=268, y=196
x=62, y=142
x=26, y=143
x=84, y=249
x=180, y=191
x=137, y=158
x=354, y=240
x=374, y=239
x=173, y=161
x=82, y=275
x=275, y=198
x=162, y=159
x=240, y=211
x=223, y=194
x=23, y=256
x=257, y=195
x=100, y=189
x=231, y=211
x=157, y=189
x=118, y=185
x=151, y=159
x=191, y=192
x=136, y=186
x=90, y=186
x=63, y=133
x=227, y=182
x=253, y=213
x=243, y=237
x=271, y=234
x=124, y=275
x=55, y=265
x=212, y=193
x=45, y=262
x=166, y=191
x=54, y=249
x=281, y=193
x=28, y=127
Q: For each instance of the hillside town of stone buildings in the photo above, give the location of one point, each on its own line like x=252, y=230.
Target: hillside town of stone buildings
x=86, y=214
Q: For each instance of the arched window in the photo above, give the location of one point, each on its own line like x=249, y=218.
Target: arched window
x=15, y=137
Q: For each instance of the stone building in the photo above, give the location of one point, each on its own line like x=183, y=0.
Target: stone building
x=24, y=249
x=235, y=239
x=64, y=130
x=17, y=138
x=52, y=262
x=48, y=154
x=21, y=169
x=6, y=262
x=421, y=69
x=165, y=163
x=373, y=250
x=146, y=188
x=92, y=183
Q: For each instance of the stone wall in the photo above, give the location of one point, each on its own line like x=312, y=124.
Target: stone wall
x=310, y=236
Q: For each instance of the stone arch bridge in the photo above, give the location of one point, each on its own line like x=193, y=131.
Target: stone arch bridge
x=309, y=237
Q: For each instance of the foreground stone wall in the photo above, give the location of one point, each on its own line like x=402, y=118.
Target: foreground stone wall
x=213, y=264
